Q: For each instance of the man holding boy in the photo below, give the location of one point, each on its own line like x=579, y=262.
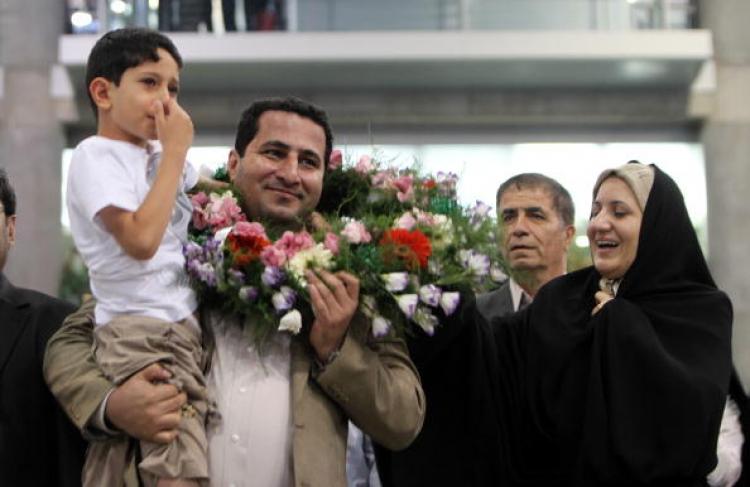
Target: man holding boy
x=38, y=444
x=283, y=413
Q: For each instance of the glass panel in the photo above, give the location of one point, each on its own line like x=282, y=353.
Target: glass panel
x=86, y=16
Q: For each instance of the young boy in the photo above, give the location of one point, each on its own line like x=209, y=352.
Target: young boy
x=129, y=216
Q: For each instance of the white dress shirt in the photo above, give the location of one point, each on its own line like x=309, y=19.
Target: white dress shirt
x=517, y=293
x=252, y=444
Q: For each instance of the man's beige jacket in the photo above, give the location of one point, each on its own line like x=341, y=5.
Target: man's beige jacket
x=372, y=382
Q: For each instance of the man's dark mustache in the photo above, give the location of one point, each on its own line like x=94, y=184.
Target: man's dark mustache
x=284, y=189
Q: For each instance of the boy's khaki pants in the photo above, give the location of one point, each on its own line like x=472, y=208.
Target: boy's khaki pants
x=126, y=345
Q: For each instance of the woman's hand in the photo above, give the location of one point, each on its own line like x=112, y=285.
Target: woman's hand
x=601, y=299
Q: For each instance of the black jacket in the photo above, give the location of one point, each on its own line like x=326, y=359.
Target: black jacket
x=39, y=446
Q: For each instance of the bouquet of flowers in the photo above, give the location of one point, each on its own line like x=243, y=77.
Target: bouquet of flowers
x=416, y=252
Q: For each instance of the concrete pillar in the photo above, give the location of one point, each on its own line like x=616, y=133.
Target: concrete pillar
x=726, y=140
x=31, y=138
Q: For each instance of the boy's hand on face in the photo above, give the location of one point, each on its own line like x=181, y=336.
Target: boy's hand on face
x=173, y=127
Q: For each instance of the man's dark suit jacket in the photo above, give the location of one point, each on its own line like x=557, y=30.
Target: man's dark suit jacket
x=458, y=441
x=39, y=447
x=496, y=303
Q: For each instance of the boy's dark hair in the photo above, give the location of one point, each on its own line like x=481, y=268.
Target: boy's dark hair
x=122, y=49
x=7, y=195
x=562, y=203
x=247, y=129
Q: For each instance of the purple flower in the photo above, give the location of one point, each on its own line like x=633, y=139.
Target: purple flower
x=430, y=295
x=203, y=271
x=272, y=276
x=479, y=213
x=235, y=277
x=426, y=320
x=478, y=264
x=284, y=299
x=380, y=326
x=192, y=250
x=449, y=302
x=248, y=293
x=407, y=303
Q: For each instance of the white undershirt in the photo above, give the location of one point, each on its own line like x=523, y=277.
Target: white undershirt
x=252, y=445
x=729, y=449
x=516, y=293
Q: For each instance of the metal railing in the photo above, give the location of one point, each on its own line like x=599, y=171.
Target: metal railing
x=87, y=16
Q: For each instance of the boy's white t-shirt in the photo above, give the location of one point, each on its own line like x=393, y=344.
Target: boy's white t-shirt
x=105, y=172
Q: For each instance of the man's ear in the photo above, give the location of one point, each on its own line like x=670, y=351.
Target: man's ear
x=10, y=224
x=233, y=164
x=99, y=89
x=570, y=233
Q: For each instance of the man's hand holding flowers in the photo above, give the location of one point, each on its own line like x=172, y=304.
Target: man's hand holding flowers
x=334, y=299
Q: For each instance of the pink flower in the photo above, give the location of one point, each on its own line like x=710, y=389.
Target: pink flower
x=199, y=200
x=405, y=188
x=290, y=243
x=364, y=165
x=356, y=233
x=382, y=179
x=406, y=221
x=250, y=230
x=223, y=211
x=200, y=215
x=272, y=257
x=335, y=160
x=331, y=242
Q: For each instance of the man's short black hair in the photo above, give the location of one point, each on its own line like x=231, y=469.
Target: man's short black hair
x=561, y=200
x=123, y=49
x=7, y=195
x=247, y=129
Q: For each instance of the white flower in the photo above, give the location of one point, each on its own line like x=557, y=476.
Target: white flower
x=380, y=326
x=497, y=274
x=426, y=320
x=317, y=257
x=291, y=322
x=442, y=232
x=222, y=234
x=430, y=294
x=449, y=302
x=478, y=264
x=395, y=281
x=407, y=303
x=367, y=305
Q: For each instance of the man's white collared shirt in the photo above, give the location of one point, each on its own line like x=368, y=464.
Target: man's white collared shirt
x=252, y=444
x=516, y=293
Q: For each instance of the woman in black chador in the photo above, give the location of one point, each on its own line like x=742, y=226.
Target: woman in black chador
x=617, y=374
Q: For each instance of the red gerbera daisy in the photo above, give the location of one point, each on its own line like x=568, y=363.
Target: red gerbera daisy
x=246, y=249
x=412, y=247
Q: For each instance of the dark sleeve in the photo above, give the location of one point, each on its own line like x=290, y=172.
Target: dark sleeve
x=458, y=442
x=424, y=349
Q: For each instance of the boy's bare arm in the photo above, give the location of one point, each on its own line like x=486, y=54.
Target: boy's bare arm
x=140, y=232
